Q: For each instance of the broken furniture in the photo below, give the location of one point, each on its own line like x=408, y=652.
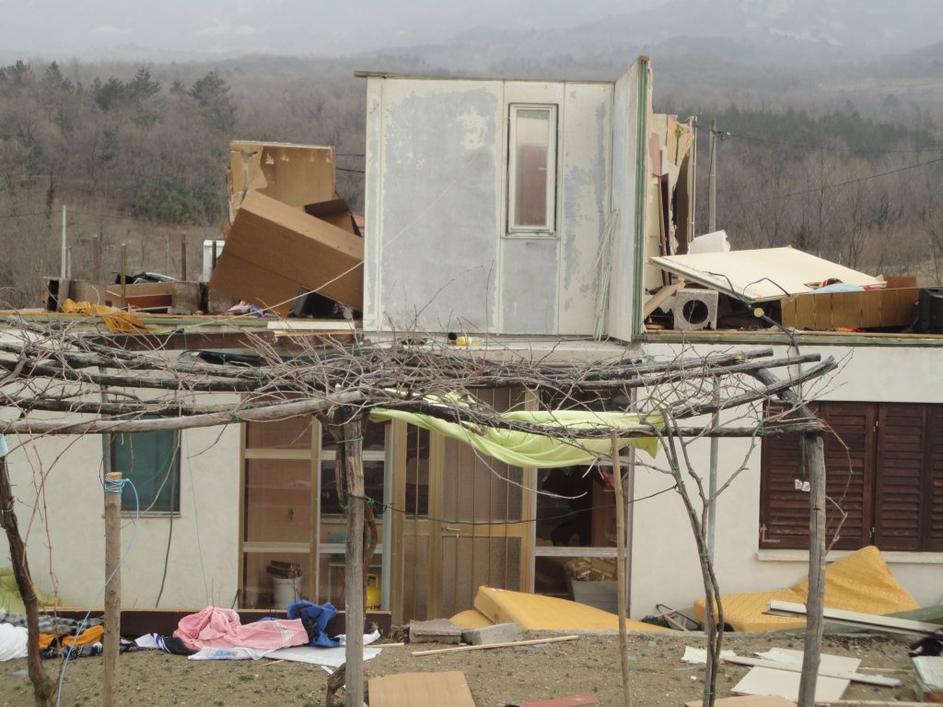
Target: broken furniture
x=861, y=581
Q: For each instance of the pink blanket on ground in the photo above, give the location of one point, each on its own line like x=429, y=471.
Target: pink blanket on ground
x=221, y=628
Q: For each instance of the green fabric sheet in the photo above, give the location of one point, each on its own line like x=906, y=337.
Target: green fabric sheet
x=533, y=450
x=10, y=599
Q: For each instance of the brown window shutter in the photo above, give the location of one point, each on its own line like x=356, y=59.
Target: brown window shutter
x=932, y=531
x=784, y=510
x=900, y=476
x=849, y=469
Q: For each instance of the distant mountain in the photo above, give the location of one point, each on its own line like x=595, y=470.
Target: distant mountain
x=778, y=32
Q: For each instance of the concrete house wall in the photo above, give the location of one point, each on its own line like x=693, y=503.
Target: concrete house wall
x=66, y=539
x=664, y=561
x=439, y=256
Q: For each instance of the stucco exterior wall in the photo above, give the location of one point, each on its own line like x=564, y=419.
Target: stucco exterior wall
x=438, y=257
x=664, y=560
x=65, y=529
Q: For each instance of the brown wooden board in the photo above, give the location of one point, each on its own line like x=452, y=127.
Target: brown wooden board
x=892, y=307
x=137, y=622
x=421, y=690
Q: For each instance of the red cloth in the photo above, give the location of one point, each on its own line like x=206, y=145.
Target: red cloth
x=221, y=628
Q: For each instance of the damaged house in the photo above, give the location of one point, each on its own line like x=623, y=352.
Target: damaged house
x=549, y=218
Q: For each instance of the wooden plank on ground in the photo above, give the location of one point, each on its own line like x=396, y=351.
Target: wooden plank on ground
x=876, y=622
x=797, y=668
x=421, y=690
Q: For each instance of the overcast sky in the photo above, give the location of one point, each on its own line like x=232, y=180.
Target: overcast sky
x=92, y=28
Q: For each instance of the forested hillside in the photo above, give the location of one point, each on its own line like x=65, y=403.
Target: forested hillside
x=139, y=153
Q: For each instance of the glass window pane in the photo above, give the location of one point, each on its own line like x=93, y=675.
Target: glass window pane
x=372, y=484
x=417, y=471
x=261, y=589
x=278, y=501
x=575, y=510
x=532, y=134
x=152, y=461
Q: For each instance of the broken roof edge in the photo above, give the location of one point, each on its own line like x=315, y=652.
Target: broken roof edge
x=269, y=143
x=375, y=74
x=380, y=74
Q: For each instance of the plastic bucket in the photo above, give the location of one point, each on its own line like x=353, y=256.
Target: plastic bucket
x=286, y=591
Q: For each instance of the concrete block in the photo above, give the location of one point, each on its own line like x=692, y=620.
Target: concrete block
x=435, y=631
x=499, y=633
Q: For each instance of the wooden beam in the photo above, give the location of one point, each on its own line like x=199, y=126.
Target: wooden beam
x=506, y=644
x=813, y=453
x=660, y=297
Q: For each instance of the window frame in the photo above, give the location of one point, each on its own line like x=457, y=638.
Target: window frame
x=549, y=229
x=146, y=508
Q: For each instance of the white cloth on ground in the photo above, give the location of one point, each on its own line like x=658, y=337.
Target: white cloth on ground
x=226, y=654
x=12, y=642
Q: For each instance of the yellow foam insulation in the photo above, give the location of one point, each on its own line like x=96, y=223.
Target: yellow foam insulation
x=534, y=612
x=116, y=320
x=471, y=618
x=860, y=582
x=745, y=611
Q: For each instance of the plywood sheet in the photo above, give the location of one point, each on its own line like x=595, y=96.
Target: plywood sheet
x=768, y=681
x=747, y=701
x=421, y=690
x=761, y=275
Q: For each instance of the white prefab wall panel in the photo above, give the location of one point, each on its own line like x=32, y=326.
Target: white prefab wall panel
x=433, y=197
x=665, y=566
x=625, y=158
x=584, y=201
x=438, y=257
x=65, y=530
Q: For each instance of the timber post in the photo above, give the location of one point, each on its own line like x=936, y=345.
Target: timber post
x=112, y=639
x=620, y=568
x=813, y=454
x=352, y=440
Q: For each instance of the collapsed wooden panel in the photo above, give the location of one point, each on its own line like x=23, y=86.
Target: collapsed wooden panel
x=274, y=250
x=421, y=690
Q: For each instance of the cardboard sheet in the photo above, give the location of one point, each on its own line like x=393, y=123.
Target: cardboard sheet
x=769, y=681
x=293, y=174
x=329, y=657
x=274, y=250
x=762, y=275
x=421, y=690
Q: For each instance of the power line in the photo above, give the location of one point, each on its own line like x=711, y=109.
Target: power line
x=836, y=185
x=847, y=148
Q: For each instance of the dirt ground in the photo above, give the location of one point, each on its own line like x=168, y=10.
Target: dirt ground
x=497, y=677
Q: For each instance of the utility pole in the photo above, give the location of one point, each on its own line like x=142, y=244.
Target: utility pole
x=712, y=181
x=64, y=256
